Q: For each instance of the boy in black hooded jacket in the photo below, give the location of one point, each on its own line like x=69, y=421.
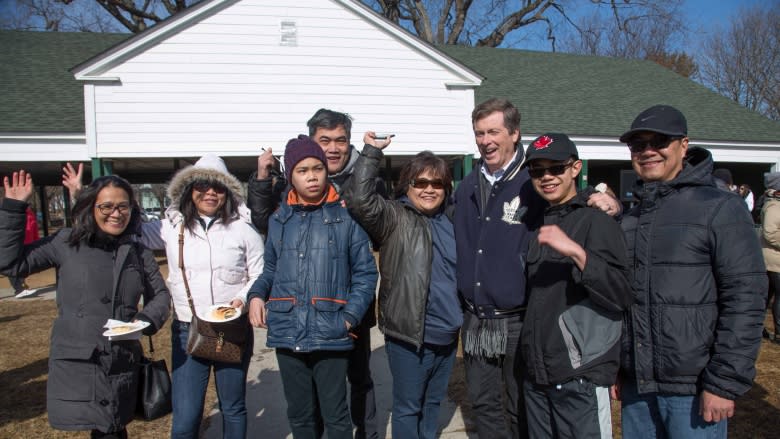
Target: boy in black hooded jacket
x=578, y=289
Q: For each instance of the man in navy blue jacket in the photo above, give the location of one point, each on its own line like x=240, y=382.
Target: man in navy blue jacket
x=495, y=209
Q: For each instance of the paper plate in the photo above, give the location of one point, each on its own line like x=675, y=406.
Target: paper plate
x=210, y=316
x=127, y=328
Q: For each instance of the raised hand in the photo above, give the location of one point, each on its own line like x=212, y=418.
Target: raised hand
x=71, y=178
x=19, y=187
x=370, y=139
x=265, y=162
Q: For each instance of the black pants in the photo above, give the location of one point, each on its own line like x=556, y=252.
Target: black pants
x=569, y=410
x=319, y=375
x=774, y=290
x=495, y=387
x=362, y=400
x=97, y=434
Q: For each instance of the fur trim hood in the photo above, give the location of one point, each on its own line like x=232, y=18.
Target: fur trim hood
x=209, y=167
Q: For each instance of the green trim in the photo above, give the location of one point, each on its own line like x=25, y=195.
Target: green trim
x=97, y=169
x=101, y=168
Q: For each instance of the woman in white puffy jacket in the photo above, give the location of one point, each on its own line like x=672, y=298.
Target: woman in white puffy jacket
x=223, y=255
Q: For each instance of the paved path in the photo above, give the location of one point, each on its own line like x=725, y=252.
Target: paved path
x=267, y=407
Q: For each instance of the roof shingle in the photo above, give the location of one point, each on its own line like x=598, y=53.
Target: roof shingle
x=600, y=96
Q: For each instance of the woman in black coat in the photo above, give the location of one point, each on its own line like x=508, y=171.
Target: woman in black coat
x=102, y=274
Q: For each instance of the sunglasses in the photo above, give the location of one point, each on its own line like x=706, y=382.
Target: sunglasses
x=109, y=208
x=423, y=183
x=658, y=141
x=538, y=172
x=204, y=186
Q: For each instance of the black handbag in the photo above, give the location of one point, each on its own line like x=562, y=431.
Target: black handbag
x=154, y=388
x=223, y=341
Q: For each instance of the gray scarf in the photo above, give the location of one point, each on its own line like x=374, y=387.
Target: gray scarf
x=485, y=338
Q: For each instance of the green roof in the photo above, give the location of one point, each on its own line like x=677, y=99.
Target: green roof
x=600, y=96
x=575, y=94
x=37, y=92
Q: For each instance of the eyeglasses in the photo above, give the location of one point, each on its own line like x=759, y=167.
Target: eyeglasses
x=658, y=141
x=538, y=172
x=109, y=208
x=325, y=141
x=423, y=183
x=204, y=186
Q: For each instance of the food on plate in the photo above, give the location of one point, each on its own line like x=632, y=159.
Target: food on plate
x=224, y=313
x=123, y=329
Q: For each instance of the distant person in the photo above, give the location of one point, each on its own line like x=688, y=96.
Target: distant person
x=21, y=289
x=578, y=289
x=420, y=313
x=318, y=282
x=747, y=195
x=692, y=338
x=102, y=274
x=770, y=243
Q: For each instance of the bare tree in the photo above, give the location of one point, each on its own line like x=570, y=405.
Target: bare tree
x=491, y=22
x=648, y=34
x=743, y=61
x=137, y=15
x=56, y=15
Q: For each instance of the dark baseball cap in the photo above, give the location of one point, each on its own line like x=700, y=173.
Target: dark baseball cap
x=663, y=119
x=552, y=146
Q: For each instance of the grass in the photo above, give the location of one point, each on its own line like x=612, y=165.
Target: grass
x=25, y=326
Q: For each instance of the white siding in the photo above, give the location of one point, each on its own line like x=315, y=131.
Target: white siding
x=226, y=85
x=43, y=148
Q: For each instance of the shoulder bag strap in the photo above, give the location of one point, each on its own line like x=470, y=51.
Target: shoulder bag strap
x=151, y=348
x=183, y=272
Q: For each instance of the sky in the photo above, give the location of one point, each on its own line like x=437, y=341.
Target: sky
x=701, y=16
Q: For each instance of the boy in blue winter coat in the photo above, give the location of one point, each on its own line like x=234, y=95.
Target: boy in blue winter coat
x=318, y=280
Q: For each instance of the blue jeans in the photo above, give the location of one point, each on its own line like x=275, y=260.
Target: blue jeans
x=420, y=380
x=656, y=415
x=190, y=377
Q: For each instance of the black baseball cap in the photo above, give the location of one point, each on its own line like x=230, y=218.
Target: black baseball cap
x=552, y=146
x=662, y=119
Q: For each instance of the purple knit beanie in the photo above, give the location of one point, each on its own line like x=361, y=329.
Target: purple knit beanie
x=299, y=149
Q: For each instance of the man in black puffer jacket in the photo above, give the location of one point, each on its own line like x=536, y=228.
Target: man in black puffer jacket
x=693, y=335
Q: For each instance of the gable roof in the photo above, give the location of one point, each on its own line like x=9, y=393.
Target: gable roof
x=39, y=94
x=576, y=94
x=590, y=95
x=93, y=67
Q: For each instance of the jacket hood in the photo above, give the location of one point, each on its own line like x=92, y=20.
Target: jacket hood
x=697, y=171
x=338, y=178
x=209, y=167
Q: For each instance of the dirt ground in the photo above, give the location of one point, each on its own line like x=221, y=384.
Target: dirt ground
x=24, y=330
